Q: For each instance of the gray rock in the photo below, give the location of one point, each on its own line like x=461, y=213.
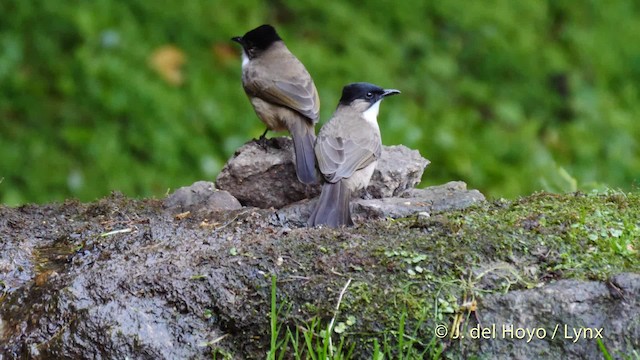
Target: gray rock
x=450, y=196
x=265, y=177
x=563, y=306
x=294, y=215
x=399, y=168
x=201, y=195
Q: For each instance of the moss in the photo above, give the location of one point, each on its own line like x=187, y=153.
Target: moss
x=432, y=269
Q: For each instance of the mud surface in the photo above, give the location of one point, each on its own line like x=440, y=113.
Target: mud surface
x=121, y=278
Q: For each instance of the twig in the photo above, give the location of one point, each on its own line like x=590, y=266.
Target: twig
x=127, y=230
x=335, y=314
x=214, y=341
x=333, y=271
x=230, y=221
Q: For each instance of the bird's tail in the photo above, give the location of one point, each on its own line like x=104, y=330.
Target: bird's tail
x=304, y=137
x=332, y=208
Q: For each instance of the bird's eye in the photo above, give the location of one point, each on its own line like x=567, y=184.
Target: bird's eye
x=369, y=95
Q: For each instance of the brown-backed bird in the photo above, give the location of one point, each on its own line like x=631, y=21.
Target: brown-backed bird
x=282, y=93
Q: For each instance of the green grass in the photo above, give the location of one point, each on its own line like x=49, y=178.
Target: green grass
x=273, y=322
x=314, y=340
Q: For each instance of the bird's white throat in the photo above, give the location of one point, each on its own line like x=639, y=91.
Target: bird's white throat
x=371, y=114
x=245, y=58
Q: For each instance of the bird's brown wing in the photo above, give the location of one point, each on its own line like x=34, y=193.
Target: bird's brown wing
x=297, y=93
x=339, y=158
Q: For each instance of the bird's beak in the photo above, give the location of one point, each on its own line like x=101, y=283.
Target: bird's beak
x=389, y=92
x=237, y=39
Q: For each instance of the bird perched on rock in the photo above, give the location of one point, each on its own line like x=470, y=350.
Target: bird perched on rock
x=347, y=150
x=282, y=93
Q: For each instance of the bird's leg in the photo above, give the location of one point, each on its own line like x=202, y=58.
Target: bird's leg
x=262, y=140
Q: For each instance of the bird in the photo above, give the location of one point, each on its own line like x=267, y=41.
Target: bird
x=347, y=150
x=282, y=93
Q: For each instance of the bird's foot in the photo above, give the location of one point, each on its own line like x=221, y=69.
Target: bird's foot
x=263, y=141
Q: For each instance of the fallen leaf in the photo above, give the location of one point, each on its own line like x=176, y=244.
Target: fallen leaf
x=224, y=53
x=167, y=61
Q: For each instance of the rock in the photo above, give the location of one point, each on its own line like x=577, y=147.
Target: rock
x=201, y=195
x=450, y=196
x=294, y=215
x=564, y=307
x=265, y=177
x=447, y=196
x=399, y=168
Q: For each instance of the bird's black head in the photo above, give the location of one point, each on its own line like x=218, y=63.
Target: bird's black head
x=257, y=40
x=364, y=91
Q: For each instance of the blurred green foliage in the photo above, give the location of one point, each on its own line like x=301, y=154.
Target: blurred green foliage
x=509, y=96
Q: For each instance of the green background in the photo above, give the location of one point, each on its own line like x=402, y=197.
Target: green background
x=508, y=96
